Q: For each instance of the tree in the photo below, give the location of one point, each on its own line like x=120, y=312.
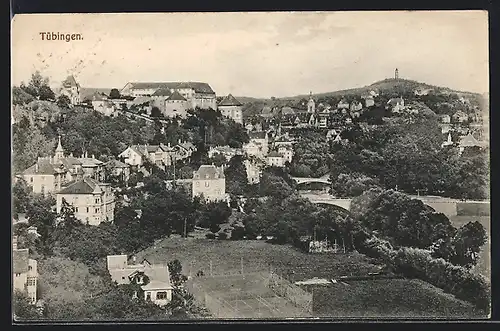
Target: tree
x=156, y=112
x=21, y=195
x=23, y=309
x=46, y=93
x=464, y=247
x=176, y=276
x=114, y=94
x=236, y=176
x=63, y=101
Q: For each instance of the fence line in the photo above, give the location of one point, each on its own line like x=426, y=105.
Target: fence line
x=239, y=307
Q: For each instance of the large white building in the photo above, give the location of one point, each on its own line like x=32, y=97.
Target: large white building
x=94, y=202
x=25, y=272
x=230, y=107
x=197, y=94
x=209, y=181
x=71, y=89
x=154, y=279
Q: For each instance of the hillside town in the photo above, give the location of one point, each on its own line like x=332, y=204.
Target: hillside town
x=106, y=179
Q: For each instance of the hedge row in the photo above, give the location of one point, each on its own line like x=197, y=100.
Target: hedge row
x=418, y=263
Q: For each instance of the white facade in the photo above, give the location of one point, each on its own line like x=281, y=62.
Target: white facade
x=132, y=157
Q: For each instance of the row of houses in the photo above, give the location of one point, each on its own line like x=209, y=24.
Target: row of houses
x=160, y=155
x=171, y=98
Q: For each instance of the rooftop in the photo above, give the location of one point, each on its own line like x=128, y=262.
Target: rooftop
x=87, y=185
x=20, y=260
x=209, y=171
x=230, y=101
x=196, y=86
x=176, y=96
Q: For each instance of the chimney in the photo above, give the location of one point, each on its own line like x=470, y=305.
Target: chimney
x=14, y=243
x=71, y=154
x=179, y=141
x=36, y=167
x=93, y=156
x=168, y=145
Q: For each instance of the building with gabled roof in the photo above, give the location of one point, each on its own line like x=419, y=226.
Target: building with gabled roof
x=230, y=107
x=275, y=159
x=197, y=94
x=118, y=169
x=94, y=202
x=209, y=181
x=48, y=174
x=24, y=272
x=71, y=89
x=154, y=279
x=470, y=141
x=396, y=104
x=176, y=105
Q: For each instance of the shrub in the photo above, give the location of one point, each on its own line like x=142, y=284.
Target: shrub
x=222, y=236
x=414, y=262
x=210, y=235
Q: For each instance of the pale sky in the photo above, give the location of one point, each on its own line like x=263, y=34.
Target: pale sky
x=257, y=54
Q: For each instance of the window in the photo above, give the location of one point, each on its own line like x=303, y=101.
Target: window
x=31, y=281
x=18, y=274
x=207, y=184
x=97, y=200
x=31, y=179
x=161, y=295
x=76, y=209
x=148, y=295
x=87, y=209
x=198, y=184
x=30, y=268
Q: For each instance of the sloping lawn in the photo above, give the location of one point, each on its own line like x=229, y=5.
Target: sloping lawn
x=394, y=298
x=226, y=257
x=374, y=298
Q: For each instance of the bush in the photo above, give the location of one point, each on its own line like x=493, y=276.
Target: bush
x=222, y=236
x=210, y=235
x=238, y=233
x=418, y=263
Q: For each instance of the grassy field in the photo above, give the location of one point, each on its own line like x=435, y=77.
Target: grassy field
x=379, y=298
x=394, y=298
x=226, y=256
x=484, y=265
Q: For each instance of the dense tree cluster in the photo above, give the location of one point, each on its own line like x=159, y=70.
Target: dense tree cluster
x=408, y=156
x=408, y=222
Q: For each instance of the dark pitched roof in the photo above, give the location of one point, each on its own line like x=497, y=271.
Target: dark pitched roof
x=209, y=171
x=70, y=81
x=44, y=168
x=230, y=101
x=20, y=260
x=162, y=92
x=84, y=186
x=196, y=86
x=176, y=96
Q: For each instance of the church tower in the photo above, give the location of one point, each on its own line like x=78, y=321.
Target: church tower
x=311, y=105
x=59, y=154
x=396, y=73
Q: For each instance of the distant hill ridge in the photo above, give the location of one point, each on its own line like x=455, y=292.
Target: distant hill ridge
x=386, y=85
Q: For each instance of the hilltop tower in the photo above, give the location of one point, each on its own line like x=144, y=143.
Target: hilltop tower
x=396, y=73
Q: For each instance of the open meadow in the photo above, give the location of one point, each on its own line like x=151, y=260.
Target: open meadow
x=382, y=298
